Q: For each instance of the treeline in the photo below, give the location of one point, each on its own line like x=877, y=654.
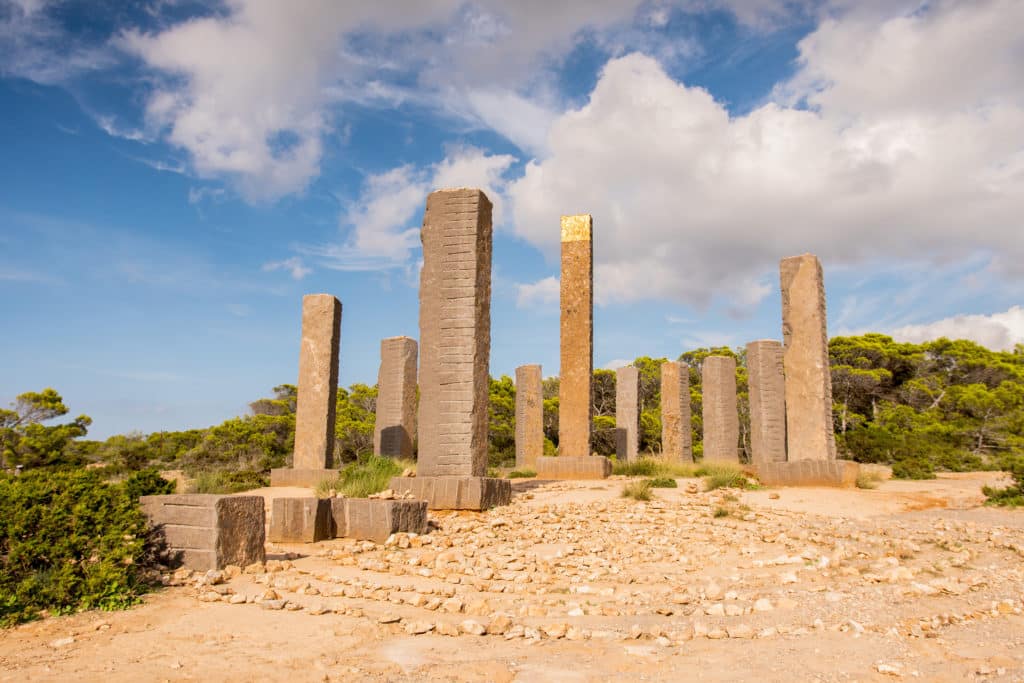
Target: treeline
x=942, y=405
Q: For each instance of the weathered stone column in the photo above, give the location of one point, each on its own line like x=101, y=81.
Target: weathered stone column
x=395, y=429
x=529, y=416
x=676, y=427
x=767, y=391
x=455, y=345
x=809, y=428
x=317, y=398
x=575, y=404
x=721, y=418
x=627, y=413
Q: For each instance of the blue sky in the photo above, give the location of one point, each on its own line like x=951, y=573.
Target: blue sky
x=176, y=175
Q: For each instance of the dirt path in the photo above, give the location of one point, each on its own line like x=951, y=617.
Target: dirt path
x=906, y=581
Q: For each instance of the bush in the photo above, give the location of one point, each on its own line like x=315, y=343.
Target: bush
x=663, y=483
x=1011, y=496
x=147, y=482
x=637, y=490
x=70, y=541
x=867, y=480
x=521, y=474
x=652, y=467
x=913, y=468
x=724, y=476
x=225, y=481
x=369, y=474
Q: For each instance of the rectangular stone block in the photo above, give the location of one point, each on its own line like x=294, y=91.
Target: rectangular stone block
x=455, y=334
x=676, y=425
x=300, y=520
x=206, y=531
x=627, y=413
x=809, y=429
x=309, y=479
x=575, y=402
x=339, y=517
x=841, y=473
x=720, y=415
x=318, y=382
x=372, y=519
x=529, y=416
x=395, y=429
x=456, y=493
x=767, y=392
x=569, y=467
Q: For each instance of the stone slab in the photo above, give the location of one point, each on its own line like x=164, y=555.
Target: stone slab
x=676, y=423
x=309, y=479
x=316, y=401
x=371, y=519
x=300, y=520
x=719, y=410
x=627, y=413
x=576, y=370
x=394, y=431
x=339, y=517
x=569, y=467
x=456, y=493
x=529, y=416
x=208, y=531
x=839, y=473
x=767, y=395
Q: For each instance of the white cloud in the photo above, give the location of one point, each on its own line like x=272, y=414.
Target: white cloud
x=999, y=331
x=617, y=363
x=294, y=267
x=692, y=204
x=540, y=294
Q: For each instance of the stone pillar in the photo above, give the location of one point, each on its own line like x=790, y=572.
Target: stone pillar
x=455, y=345
x=627, y=413
x=395, y=429
x=809, y=430
x=676, y=427
x=318, y=382
x=575, y=404
x=767, y=391
x=721, y=418
x=529, y=416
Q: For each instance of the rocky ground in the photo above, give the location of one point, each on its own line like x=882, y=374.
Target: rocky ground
x=574, y=583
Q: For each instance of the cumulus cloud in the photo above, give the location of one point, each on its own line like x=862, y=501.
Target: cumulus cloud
x=539, y=294
x=999, y=331
x=691, y=203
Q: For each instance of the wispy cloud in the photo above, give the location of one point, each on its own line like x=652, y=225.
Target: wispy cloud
x=293, y=266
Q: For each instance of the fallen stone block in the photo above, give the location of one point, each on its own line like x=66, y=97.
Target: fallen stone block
x=309, y=479
x=208, y=531
x=300, y=520
x=372, y=519
x=809, y=473
x=456, y=493
x=574, y=467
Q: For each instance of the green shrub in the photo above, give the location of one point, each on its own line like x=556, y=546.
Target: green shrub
x=70, y=541
x=521, y=474
x=913, y=468
x=720, y=512
x=652, y=467
x=224, y=481
x=637, y=490
x=866, y=480
x=724, y=476
x=147, y=482
x=663, y=483
x=1011, y=496
x=369, y=474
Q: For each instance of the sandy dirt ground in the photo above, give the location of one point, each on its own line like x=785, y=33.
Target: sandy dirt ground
x=913, y=580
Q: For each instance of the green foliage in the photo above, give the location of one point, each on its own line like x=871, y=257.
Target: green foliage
x=355, y=418
x=147, y=482
x=502, y=425
x=868, y=480
x=663, y=483
x=638, y=490
x=70, y=541
x=652, y=467
x=522, y=474
x=720, y=476
x=602, y=441
x=1011, y=496
x=913, y=468
x=25, y=441
x=369, y=474
x=226, y=481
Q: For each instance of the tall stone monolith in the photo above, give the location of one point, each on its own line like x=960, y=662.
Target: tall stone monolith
x=455, y=344
x=529, y=416
x=627, y=413
x=395, y=429
x=767, y=392
x=720, y=416
x=676, y=429
x=316, y=401
x=809, y=430
x=575, y=404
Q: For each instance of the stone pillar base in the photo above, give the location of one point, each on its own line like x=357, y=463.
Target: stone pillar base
x=372, y=519
x=809, y=473
x=208, y=531
x=456, y=493
x=570, y=467
x=300, y=520
x=287, y=476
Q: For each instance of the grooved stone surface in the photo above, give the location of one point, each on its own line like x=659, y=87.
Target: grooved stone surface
x=676, y=426
x=809, y=428
x=300, y=520
x=206, y=531
x=767, y=391
x=456, y=493
x=318, y=382
x=569, y=467
x=529, y=415
x=627, y=413
x=809, y=473
x=575, y=404
x=455, y=334
x=721, y=419
x=395, y=429
x=284, y=476
x=372, y=519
